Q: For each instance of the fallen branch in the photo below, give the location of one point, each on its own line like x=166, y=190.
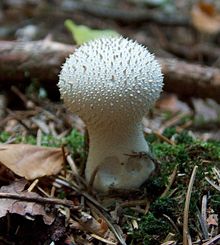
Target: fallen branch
x=194, y=52
x=191, y=80
x=41, y=60
x=22, y=62
x=135, y=15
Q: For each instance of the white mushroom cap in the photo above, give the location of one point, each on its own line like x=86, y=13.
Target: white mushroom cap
x=110, y=76
x=111, y=83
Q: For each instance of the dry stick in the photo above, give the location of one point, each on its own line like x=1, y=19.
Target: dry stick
x=18, y=119
x=20, y=115
x=134, y=203
x=114, y=228
x=174, y=120
x=217, y=173
x=83, y=193
x=211, y=241
x=172, y=223
x=203, y=226
x=213, y=184
x=103, y=239
x=22, y=61
x=28, y=103
x=75, y=172
x=39, y=137
x=92, y=178
x=186, y=208
x=204, y=217
x=32, y=186
x=42, y=200
x=162, y=137
x=171, y=180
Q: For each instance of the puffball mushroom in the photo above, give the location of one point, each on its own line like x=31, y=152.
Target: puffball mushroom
x=111, y=83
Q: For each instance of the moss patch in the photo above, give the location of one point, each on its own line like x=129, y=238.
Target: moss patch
x=155, y=226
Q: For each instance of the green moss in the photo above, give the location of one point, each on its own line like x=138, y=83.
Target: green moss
x=170, y=155
x=184, y=138
x=164, y=205
x=185, y=154
x=75, y=141
x=156, y=185
x=169, y=132
x=4, y=136
x=150, y=138
x=150, y=230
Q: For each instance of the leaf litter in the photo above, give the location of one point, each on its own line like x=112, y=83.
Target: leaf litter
x=31, y=161
x=22, y=207
x=88, y=216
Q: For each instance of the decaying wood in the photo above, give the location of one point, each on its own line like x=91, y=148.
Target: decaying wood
x=25, y=61
x=205, y=51
x=191, y=80
x=41, y=60
x=136, y=15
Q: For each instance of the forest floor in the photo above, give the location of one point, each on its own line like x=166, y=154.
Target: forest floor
x=179, y=204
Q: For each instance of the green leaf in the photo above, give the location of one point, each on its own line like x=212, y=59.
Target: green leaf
x=82, y=34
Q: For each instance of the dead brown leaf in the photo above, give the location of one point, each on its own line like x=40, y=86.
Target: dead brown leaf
x=92, y=225
x=31, y=161
x=205, y=18
x=22, y=207
x=170, y=102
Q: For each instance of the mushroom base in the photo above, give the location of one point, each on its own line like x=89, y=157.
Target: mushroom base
x=118, y=158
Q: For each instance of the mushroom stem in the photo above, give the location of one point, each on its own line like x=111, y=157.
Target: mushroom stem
x=112, y=151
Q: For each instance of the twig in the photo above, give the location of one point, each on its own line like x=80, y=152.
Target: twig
x=28, y=103
x=134, y=203
x=103, y=239
x=13, y=114
x=174, y=120
x=92, y=178
x=171, y=180
x=162, y=137
x=189, y=239
x=211, y=241
x=186, y=208
x=39, y=137
x=72, y=164
x=217, y=173
x=32, y=186
x=138, y=210
x=113, y=227
x=76, y=175
x=204, y=217
x=43, y=200
x=172, y=223
x=43, y=191
x=213, y=184
x=83, y=193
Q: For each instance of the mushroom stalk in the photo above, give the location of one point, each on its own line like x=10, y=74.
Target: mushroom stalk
x=112, y=151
